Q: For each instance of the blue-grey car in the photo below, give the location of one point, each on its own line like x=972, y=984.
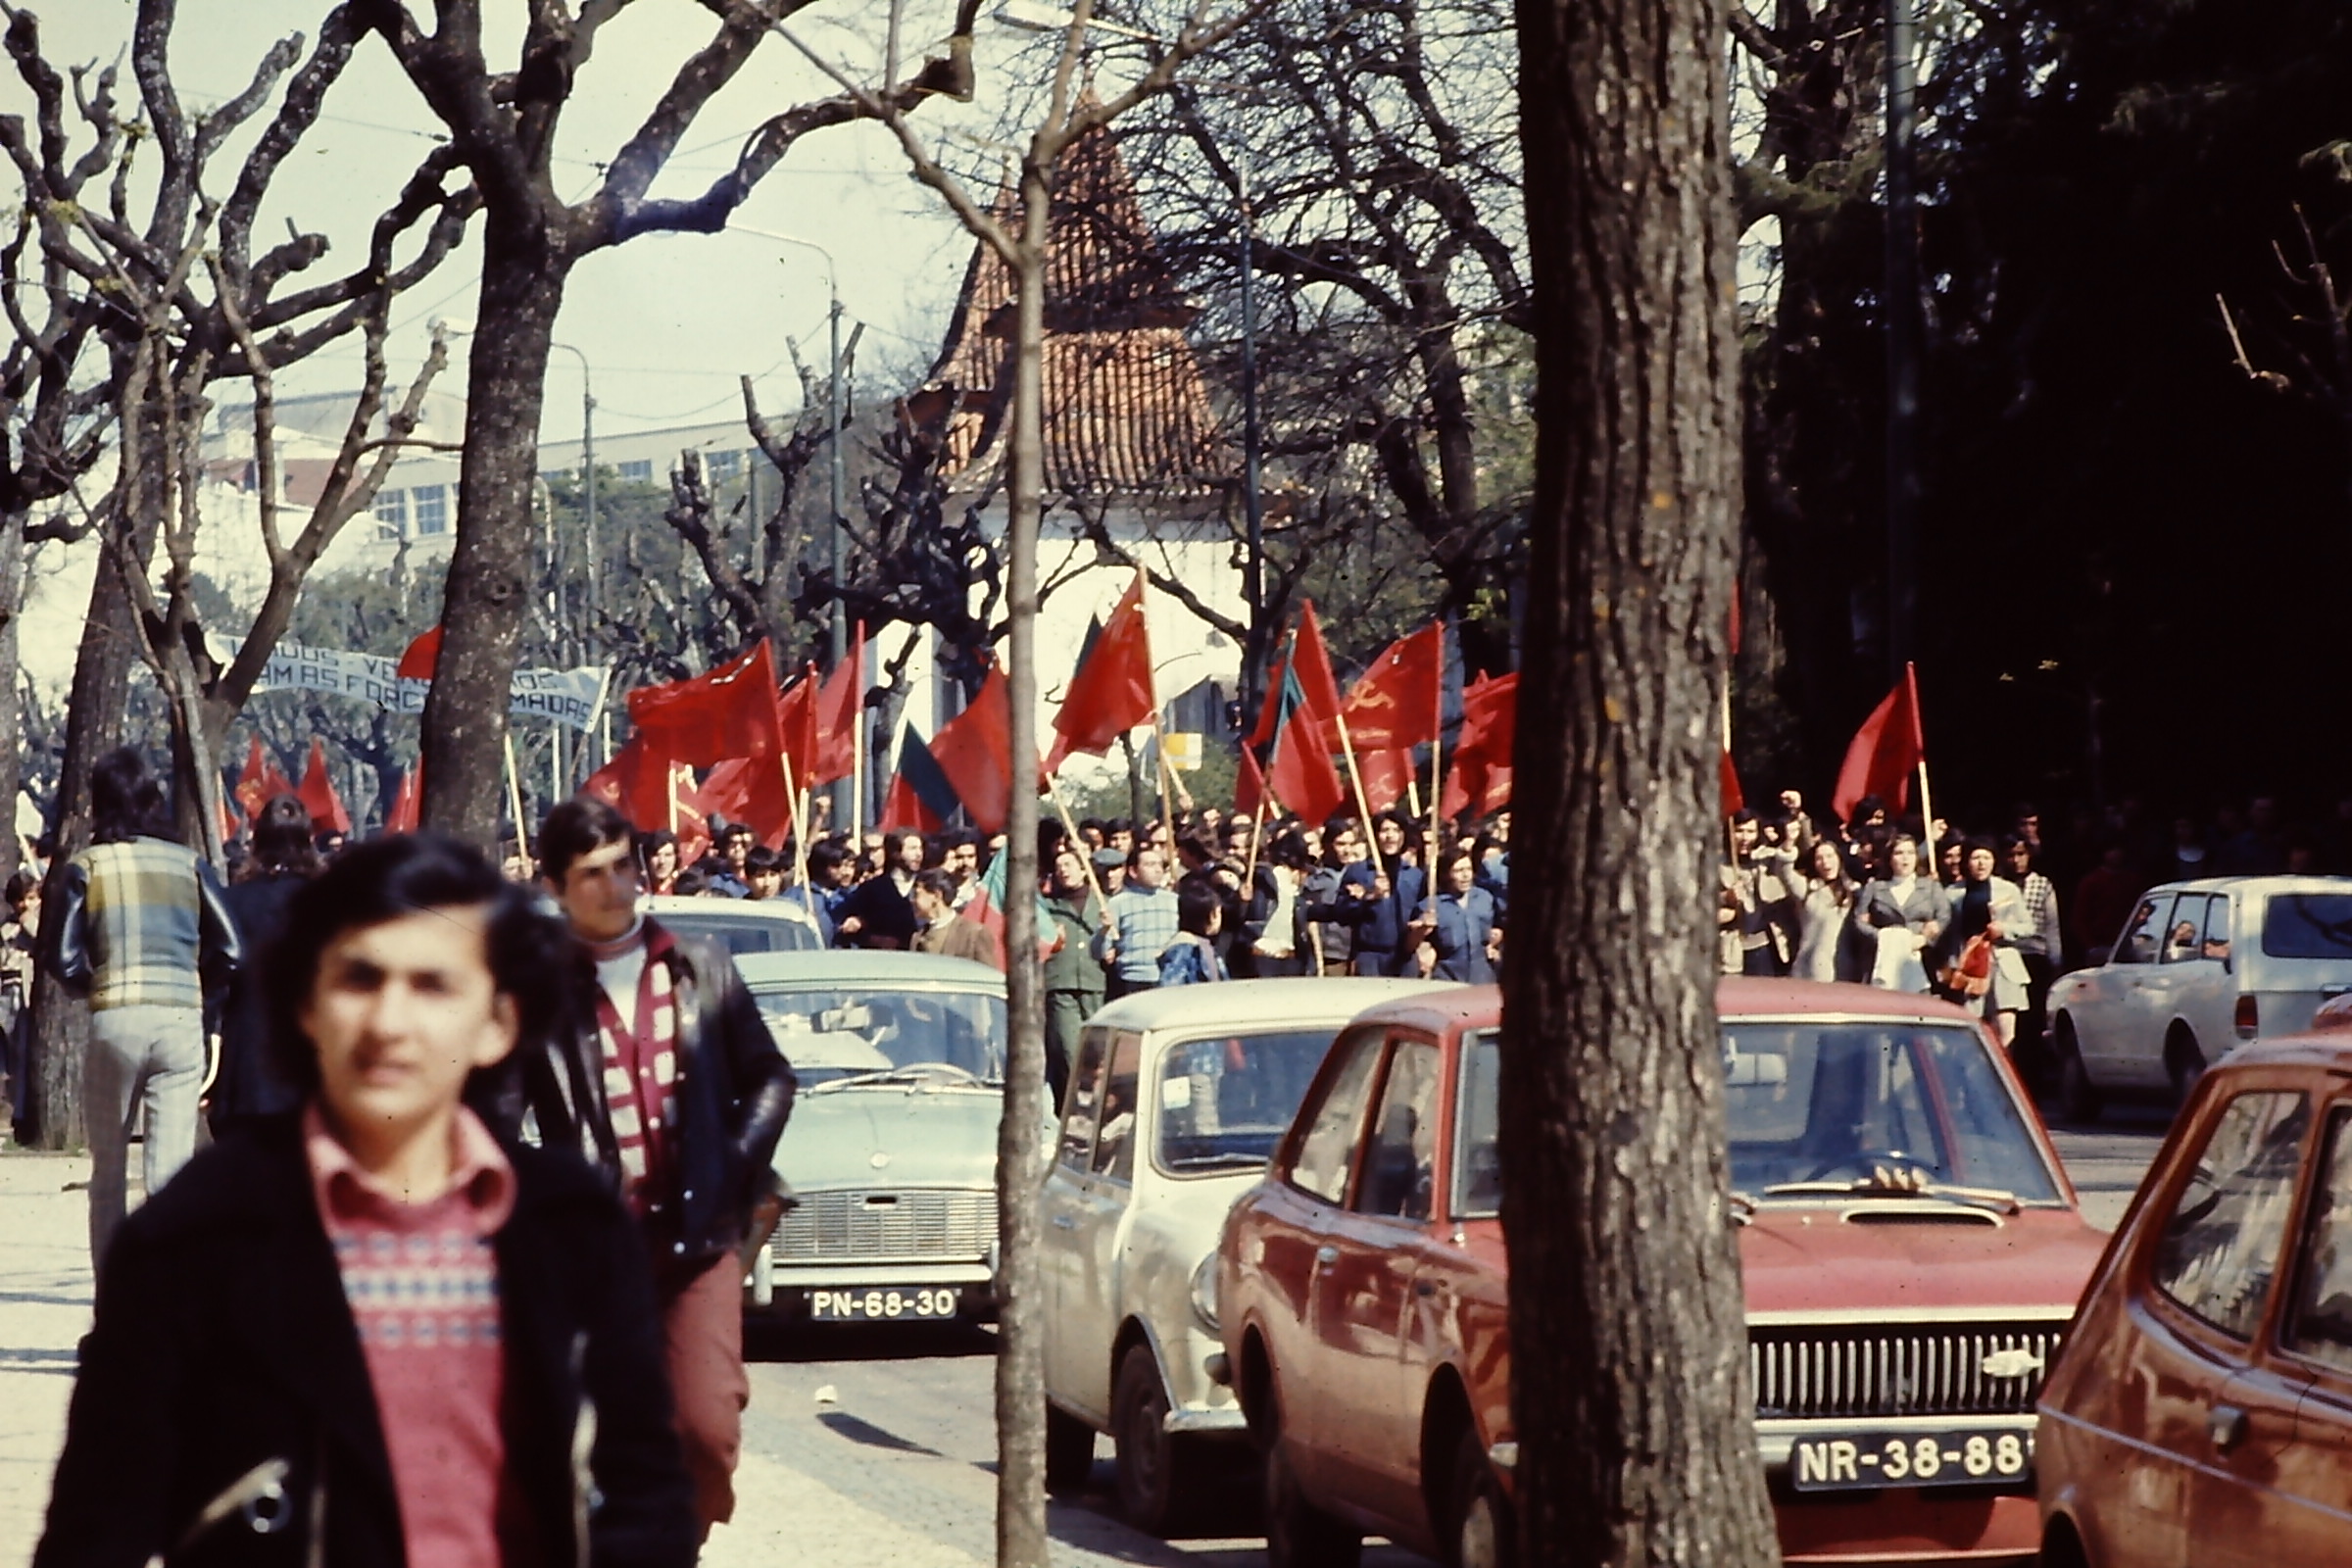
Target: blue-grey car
x=892, y=1148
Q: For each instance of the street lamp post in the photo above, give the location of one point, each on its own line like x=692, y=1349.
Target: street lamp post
x=587, y=467
x=1254, y=566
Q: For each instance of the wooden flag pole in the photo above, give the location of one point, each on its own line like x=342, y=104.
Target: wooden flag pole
x=1437, y=763
x=1257, y=829
x=1356, y=776
x=522, y=832
x=1927, y=823
x=797, y=805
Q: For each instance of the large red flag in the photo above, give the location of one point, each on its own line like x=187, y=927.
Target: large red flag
x=259, y=782
x=318, y=796
x=408, y=801
x=1886, y=752
x=750, y=790
x=1385, y=774
x=1318, y=692
x=1111, y=692
x=1478, y=776
x=974, y=749
x=422, y=657
x=1394, y=706
x=1249, y=784
x=837, y=703
x=728, y=713
x=1302, y=776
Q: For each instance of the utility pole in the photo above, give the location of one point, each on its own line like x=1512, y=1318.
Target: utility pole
x=1902, y=342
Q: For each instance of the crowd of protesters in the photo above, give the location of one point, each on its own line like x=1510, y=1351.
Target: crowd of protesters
x=1984, y=916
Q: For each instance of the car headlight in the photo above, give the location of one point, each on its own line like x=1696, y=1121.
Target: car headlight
x=1205, y=1292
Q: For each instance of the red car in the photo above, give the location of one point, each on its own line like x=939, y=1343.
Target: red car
x=1912, y=1256
x=2202, y=1411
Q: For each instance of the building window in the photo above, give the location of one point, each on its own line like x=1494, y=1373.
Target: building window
x=639, y=473
x=725, y=466
x=391, y=514
x=432, y=508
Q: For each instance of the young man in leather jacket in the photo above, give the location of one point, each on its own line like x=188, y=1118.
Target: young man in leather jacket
x=670, y=1082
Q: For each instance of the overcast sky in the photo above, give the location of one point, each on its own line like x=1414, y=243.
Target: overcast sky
x=668, y=322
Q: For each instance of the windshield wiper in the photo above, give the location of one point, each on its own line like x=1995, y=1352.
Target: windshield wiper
x=1883, y=1182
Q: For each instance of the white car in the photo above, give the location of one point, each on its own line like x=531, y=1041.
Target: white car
x=2200, y=968
x=1176, y=1100
x=742, y=926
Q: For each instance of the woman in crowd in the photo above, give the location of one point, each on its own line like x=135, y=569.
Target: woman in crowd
x=1271, y=941
x=1823, y=913
x=1897, y=917
x=1459, y=922
x=1993, y=907
x=1328, y=936
x=1192, y=959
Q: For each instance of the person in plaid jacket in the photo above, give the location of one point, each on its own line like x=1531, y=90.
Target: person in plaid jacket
x=142, y=931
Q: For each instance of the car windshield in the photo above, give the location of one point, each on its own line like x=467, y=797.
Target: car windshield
x=744, y=933
x=2308, y=925
x=1838, y=1101
x=831, y=1035
x=1225, y=1102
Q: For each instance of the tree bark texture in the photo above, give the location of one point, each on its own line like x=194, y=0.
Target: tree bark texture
x=465, y=721
x=12, y=719
x=1020, y=1148
x=1630, y=1388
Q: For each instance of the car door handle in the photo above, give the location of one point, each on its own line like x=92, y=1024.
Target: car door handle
x=1325, y=1257
x=1425, y=1286
x=2227, y=1426
x=1065, y=1222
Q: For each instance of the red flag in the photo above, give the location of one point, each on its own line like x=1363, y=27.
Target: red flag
x=1385, y=774
x=1111, y=692
x=654, y=793
x=974, y=749
x=318, y=793
x=1317, y=688
x=1394, y=705
x=1302, y=776
x=1886, y=752
x=408, y=801
x=728, y=713
x=1249, y=784
x=798, y=728
x=259, y=782
x=749, y=790
x=837, y=703
x=422, y=658
x=1479, y=778
x=1733, y=800
x=1269, y=711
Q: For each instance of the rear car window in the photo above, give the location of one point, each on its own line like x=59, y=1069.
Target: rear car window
x=1225, y=1102
x=2308, y=925
x=2321, y=1326
x=2221, y=1244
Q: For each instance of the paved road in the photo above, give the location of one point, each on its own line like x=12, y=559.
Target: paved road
x=899, y=1421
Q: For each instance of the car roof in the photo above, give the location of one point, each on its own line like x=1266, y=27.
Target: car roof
x=2330, y=1051
x=693, y=907
x=1335, y=998
x=853, y=967
x=2256, y=883
x=1736, y=996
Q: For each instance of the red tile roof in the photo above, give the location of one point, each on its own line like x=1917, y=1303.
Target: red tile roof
x=1126, y=407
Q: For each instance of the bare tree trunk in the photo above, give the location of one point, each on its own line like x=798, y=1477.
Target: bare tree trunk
x=12, y=724
x=1020, y=1151
x=486, y=600
x=1630, y=1388
x=94, y=715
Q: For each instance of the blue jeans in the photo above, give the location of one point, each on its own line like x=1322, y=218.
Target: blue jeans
x=150, y=1054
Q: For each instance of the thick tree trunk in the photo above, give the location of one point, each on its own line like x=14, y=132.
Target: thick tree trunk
x=12, y=721
x=1021, y=1150
x=94, y=715
x=1631, y=1396
x=486, y=599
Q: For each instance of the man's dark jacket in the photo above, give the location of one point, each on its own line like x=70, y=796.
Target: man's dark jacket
x=223, y=1344
x=734, y=1093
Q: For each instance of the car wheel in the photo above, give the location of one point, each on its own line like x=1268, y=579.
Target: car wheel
x=1300, y=1535
x=1485, y=1535
x=1069, y=1452
x=2184, y=1062
x=2078, y=1095
x=1157, y=1468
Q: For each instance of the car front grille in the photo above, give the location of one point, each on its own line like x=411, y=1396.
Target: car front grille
x=907, y=1226
x=1888, y=1369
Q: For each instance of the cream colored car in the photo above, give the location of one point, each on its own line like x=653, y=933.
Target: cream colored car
x=1176, y=1100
